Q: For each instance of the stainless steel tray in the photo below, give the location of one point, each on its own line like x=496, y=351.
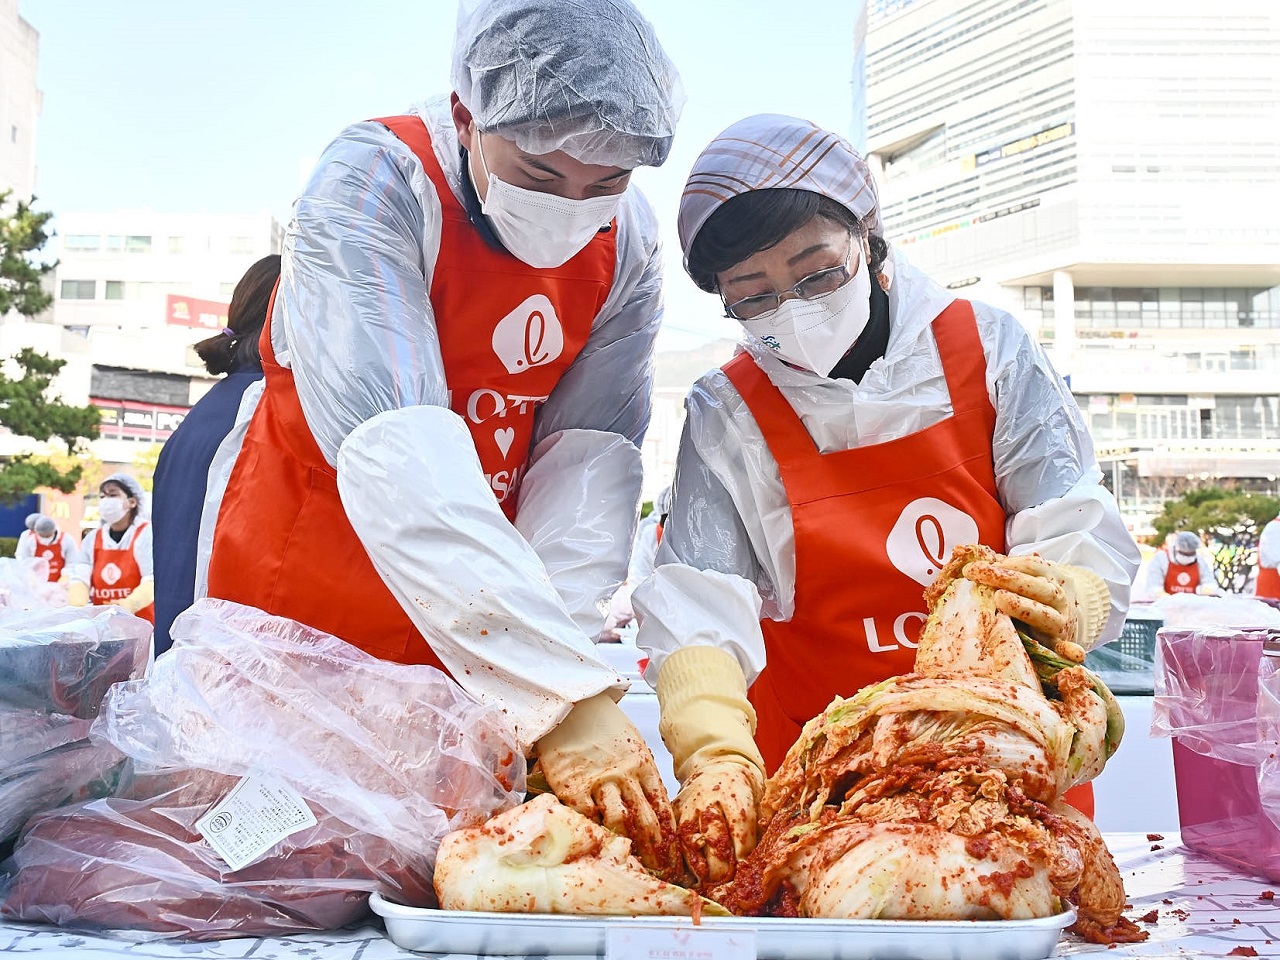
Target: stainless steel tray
x=543, y=935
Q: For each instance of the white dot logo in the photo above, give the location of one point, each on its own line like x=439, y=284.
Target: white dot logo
x=529, y=336
x=1183, y=578
x=926, y=532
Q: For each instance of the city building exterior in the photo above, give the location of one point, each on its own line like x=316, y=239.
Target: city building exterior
x=19, y=101
x=1110, y=172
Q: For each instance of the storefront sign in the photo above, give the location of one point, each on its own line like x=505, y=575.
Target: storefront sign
x=126, y=419
x=190, y=312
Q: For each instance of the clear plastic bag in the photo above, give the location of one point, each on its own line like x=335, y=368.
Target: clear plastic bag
x=388, y=758
x=25, y=586
x=1206, y=691
x=57, y=665
x=1269, y=738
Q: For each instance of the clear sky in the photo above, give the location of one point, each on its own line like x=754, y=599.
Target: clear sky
x=222, y=105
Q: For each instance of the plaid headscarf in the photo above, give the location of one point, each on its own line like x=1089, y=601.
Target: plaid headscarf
x=768, y=152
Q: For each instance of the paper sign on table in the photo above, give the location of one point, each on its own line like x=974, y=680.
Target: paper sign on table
x=259, y=812
x=678, y=943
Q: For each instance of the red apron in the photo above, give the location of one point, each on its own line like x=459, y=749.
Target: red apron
x=53, y=553
x=116, y=573
x=507, y=332
x=1268, y=584
x=873, y=525
x=1182, y=578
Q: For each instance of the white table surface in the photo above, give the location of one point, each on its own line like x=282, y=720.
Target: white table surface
x=1205, y=910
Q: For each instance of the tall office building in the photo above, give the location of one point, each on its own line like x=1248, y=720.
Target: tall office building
x=1109, y=170
x=19, y=101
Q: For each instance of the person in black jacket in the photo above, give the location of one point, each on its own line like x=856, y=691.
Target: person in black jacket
x=182, y=471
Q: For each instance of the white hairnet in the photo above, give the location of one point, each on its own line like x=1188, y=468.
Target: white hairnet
x=45, y=527
x=662, y=502
x=773, y=152
x=584, y=76
x=131, y=486
x=1187, y=542
x=32, y=519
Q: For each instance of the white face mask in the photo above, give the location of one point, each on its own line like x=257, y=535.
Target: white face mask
x=815, y=334
x=1185, y=558
x=541, y=229
x=112, y=509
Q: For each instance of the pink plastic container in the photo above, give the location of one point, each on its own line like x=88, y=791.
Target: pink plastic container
x=1206, y=690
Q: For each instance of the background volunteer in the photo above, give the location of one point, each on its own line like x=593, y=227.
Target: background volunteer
x=1268, y=582
x=48, y=541
x=115, y=560
x=1181, y=568
x=445, y=442
x=879, y=419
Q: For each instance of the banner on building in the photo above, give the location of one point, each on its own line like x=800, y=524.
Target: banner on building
x=128, y=420
x=191, y=312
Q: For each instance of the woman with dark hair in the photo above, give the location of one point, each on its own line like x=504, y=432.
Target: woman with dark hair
x=115, y=564
x=182, y=471
x=870, y=423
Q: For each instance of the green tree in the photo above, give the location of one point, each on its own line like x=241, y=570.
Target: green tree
x=22, y=233
x=1229, y=521
x=26, y=407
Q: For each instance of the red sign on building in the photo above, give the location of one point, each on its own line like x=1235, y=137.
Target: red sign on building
x=190, y=312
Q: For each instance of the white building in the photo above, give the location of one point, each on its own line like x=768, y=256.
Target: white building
x=1110, y=171
x=19, y=101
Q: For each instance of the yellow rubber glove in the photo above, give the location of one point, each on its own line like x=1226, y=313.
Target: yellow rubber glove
x=142, y=596
x=597, y=762
x=709, y=725
x=77, y=594
x=1065, y=607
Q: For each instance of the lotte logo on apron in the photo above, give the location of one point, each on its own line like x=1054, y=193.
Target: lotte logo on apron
x=529, y=336
x=926, y=532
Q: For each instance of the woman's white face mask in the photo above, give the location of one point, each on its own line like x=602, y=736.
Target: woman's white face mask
x=541, y=229
x=112, y=509
x=815, y=334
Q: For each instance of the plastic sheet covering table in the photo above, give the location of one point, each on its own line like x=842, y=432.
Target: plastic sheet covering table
x=1202, y=909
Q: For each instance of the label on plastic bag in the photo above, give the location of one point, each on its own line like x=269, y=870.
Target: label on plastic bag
x=259, y=812
x=624, y=942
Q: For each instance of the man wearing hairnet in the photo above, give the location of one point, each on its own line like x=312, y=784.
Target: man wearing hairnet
x=870, y=423
x=1182, y=568
x=441, y=465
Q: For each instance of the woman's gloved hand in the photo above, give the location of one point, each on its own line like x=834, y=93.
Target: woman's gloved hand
x=1065, y=607
x=708, y=725
x=77, y=594
x=597, y=762
x=142, y=596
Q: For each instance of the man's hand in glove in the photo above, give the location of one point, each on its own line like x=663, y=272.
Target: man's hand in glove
x=716, y=814
x=597, y=762
x=708, y=725
x=1065, y=607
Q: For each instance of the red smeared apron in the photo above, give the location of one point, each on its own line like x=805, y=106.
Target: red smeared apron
x=873, y=525
x=116, y=573
x=507, y=332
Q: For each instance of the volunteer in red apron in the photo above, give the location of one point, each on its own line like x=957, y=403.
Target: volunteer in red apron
x=441, y=465
x=1182, y=568
x=1268, y=584
x=115, y=562
x=870, y=423
x=47, y=541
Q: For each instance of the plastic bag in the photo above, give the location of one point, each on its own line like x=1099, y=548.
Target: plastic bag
x=57, y=666
x=25, y=586
x=1206, y=691
x=1227, y=612
x=1269, y=738
x=387, y=757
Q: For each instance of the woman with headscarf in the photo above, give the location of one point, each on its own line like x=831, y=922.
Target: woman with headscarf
x=870, y=423
x=115, y=560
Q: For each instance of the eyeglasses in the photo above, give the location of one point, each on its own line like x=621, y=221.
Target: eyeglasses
x=813, y=287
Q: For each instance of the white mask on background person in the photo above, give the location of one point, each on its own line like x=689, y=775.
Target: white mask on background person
x=815, y=334
x=1185, y=558
x=112, y=509
x=541, y=229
